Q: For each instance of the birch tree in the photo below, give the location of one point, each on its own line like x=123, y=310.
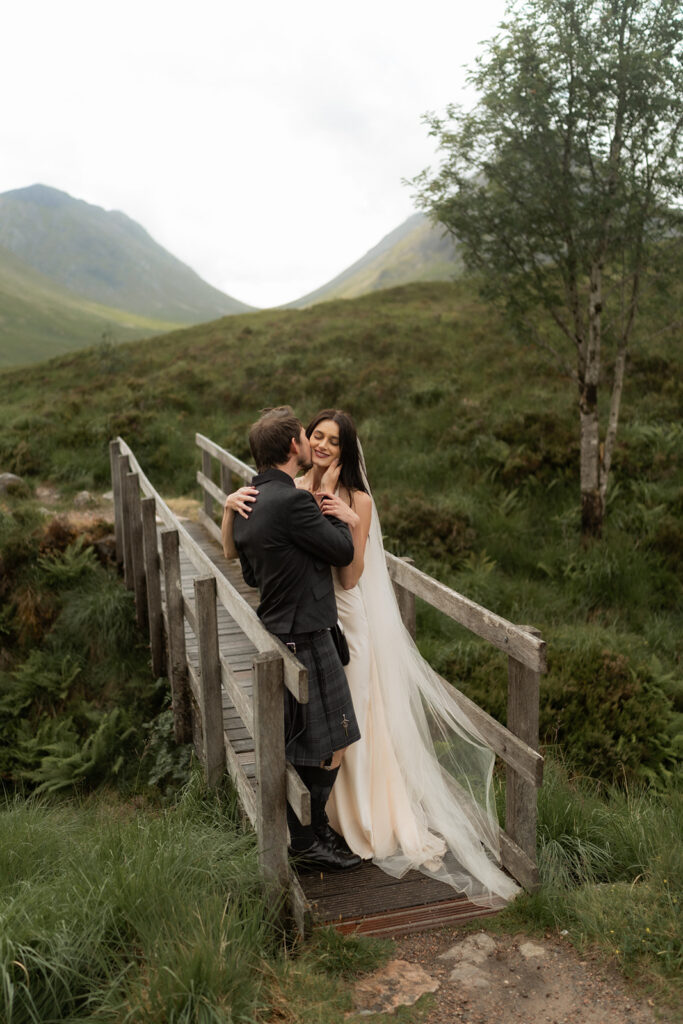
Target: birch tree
x=563, y=187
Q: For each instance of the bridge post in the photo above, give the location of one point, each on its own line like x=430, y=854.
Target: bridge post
x=177, y=659
x=134, y=531
x=406, y=603
x=521, y=796
x=123, y=469
x=269, y=749
x=114, y=455
x=226, y=478
x=211, y=693
x=154, y=612
x=206, y=470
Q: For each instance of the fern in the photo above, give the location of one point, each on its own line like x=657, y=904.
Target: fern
x=67, y=761
x=70, y=565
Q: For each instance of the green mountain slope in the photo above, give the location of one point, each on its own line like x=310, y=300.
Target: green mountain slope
x=471, y=440
x=414, y=251
x=39, y=319
x=105, y=257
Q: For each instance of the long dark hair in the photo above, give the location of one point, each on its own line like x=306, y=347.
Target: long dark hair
x=351, y=476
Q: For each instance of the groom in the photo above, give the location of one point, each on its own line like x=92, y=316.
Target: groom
x=286, y=548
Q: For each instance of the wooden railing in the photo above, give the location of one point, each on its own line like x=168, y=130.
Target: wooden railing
x=516, y=745
x=151, y=564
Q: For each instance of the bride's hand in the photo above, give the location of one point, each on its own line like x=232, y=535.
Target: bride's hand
x=241, y=501
x=332, y=505
x=330, y=477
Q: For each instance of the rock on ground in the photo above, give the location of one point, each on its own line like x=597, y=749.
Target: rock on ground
x=481, y=978
x=396, y=984
x=10, y=483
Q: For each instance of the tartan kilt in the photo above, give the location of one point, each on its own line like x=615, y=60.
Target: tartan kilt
x=328, y=722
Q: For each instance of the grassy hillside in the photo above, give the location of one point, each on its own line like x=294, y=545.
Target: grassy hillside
x=105, y=257
x=471, y=443
x=38, y=319
x=414, y=251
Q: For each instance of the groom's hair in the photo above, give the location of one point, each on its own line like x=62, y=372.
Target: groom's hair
x=271, y=436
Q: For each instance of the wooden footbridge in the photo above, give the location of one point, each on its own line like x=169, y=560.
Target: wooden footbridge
x=228, y=673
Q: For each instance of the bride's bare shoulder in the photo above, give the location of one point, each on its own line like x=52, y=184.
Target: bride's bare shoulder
x=362, y=503
x=362, y=499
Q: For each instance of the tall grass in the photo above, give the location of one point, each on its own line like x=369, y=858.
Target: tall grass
x=611, y=867
x=110, y=913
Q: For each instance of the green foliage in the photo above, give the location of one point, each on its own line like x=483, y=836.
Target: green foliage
x=551, y=186
x=472, y=467
x=112, y=912
x=345, y=955
x=426, y=530
x=612, y=711
x=611, y=870
x=43, y=319
x=75, y=689
x=164, y=764
x=550, y=174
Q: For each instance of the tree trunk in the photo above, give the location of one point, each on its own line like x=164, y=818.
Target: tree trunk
x=592, y=503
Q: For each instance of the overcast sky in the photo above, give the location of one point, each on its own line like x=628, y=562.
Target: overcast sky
x=261, y=142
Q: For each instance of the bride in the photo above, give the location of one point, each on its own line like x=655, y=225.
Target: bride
x=415, y=790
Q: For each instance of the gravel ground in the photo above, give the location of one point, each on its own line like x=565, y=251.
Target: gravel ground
x=486, y=978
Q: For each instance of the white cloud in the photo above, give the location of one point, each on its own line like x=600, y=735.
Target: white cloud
x=263, y=144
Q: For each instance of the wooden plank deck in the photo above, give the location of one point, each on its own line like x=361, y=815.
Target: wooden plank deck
x=366, y=900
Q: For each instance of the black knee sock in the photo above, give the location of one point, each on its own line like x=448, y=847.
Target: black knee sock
x=319, y=783
x=301, y=837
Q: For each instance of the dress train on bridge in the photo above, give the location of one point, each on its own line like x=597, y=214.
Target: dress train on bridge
x=415, y=791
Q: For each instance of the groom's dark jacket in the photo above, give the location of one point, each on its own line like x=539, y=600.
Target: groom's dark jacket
x=286, y=548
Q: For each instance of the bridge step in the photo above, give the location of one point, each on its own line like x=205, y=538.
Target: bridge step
x=374, y=903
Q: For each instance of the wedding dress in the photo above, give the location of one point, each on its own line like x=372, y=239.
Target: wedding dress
x=415, y=791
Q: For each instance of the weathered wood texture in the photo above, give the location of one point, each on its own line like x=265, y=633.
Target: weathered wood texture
x=516, y=745
x=219, y=650
x=269, y=748
x=523, y=721
x=514, y=640
x=378, y=904
x=211, y=691
x=206, y=467
x=236, y=466
x=153, y=577
x=406, y=603
x=114, y=453
x=175, y=631
x=233, y=600
x=122, y=471
x=134, y=530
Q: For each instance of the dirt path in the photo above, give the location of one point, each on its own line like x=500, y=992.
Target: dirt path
x=485, y=978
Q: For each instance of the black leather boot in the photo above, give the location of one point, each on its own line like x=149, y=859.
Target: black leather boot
x=320, y=790
x=329, y=850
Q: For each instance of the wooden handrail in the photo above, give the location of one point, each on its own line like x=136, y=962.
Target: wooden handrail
x=507, y=637
x=234, y=464
x=296, y=677
x=516, y=744
x=200, y=683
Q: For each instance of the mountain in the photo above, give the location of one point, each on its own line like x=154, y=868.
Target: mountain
x=105, y=257
x=40, y=319
x=414, y=251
